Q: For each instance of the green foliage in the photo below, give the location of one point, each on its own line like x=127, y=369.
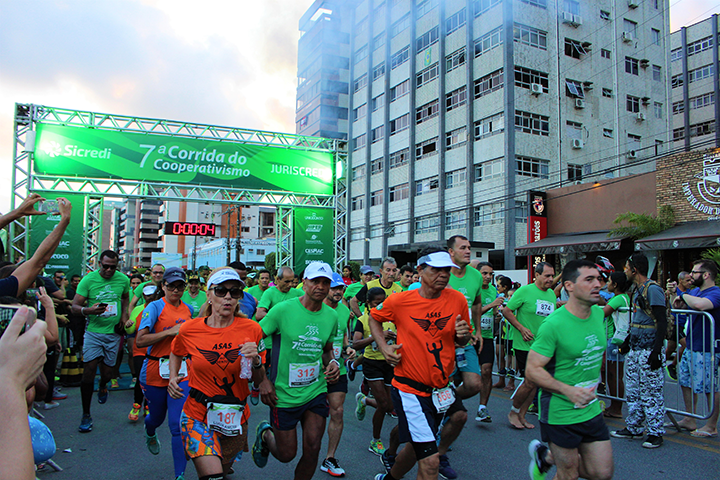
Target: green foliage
x=714, y=255
x=271, y=263
x=640, y=225
x=355, y=269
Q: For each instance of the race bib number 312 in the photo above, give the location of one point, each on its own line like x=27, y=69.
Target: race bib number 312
x=303, y=374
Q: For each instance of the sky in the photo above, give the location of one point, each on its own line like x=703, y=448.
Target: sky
x=220, y=62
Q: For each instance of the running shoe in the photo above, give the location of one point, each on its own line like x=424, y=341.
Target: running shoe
x=254, y=395
x=102, y=395
x=350, y=370
x=446, y=471
x=625, y=433
x=180, y=477
x=672, y=371
x=510, y=372
x=50, y=405
x=152, y=442
x=652, y=441
x=331, y=466
x=502, y=372
x=393, y=414
x=146, y=411
x=533, y=410
x=387, y=460
x=58, y=395
x=260, y=451
x=380, y=476
x=538, y=466
x=133, y=382
x=85, y=424
x=483, y=415
x=360, y=407
x=376, y=447
x=134, y=414
x=114, y=383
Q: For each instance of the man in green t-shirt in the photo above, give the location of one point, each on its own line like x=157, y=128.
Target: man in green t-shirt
x=193, y=296
x=107, y=292
x=156, y=271
x=564, y=361
x=304, y=364
x=532, y=304
x=263, y=284
x=337, y=391
x=486, y=356
x=406, y=277
x=272, y=296
x=367, y=274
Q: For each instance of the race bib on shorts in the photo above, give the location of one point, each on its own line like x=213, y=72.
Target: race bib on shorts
x=165, y=368
x=543, y=308
x=443, y=398
x=224, y=418
x=303, y=374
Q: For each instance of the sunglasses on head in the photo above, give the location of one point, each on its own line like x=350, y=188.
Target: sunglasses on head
x=235, y=292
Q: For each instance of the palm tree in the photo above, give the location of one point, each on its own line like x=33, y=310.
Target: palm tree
x=640, y=225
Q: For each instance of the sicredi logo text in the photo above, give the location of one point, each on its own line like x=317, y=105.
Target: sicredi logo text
x=54, y=149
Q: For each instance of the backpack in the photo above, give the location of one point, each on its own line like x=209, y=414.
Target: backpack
x=643, y=290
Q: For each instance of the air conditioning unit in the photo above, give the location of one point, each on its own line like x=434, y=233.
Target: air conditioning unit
x=579, y=103
x=587, y=45
x=633, y=3
x=567, y=17
x=627, y=37
x=577, y=20
x=641, y=117
x=587, y=85
x=536, y=88
x=644, y=63
x=577, y=144
x=632, y=154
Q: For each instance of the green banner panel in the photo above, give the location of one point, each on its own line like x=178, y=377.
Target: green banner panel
x=313, y=236
x=68, y=256
x=94, y=153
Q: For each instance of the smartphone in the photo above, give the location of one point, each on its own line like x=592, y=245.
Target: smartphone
x=102, y=305
x=7, y=312
x=49, y=206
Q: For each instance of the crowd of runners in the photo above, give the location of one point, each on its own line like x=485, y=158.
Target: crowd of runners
x=204, y=346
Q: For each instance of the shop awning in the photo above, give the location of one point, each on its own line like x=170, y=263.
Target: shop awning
x=701, y=234
x=582, y=242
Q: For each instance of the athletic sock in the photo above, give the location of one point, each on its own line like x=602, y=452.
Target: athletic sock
x=480, y=407
x=217, y=476
x=86, y=391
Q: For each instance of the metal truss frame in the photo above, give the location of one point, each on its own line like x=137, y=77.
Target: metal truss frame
x=25, y=181
x=92, y=240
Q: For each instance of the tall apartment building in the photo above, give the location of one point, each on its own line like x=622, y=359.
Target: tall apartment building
x=695, y=83
x=147, y=231
x=458, y=108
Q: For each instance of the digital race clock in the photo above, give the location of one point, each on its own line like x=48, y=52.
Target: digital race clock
x=190, y=228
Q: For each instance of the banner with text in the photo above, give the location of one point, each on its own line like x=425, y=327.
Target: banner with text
x=68, y=255
x=94, y=153
x=314, y=237
x=537, y=226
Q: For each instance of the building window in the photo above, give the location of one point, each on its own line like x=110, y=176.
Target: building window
x=360, y=54
x=376, y=198
x=425, y=76
x=574, y=89
x=699, y=46
x=455, y=60
x=536, y=3
x=604, y=53
x=358, y=203
x=676, y=81
x=700, y=73
x=455, y=138
x=634, y=143
x=377, y=134
x=399, y=124
x=675, y=54
x=399, y=90
x=604, y=14
x=489, y=83
x=427, y=39
x=630, y=27
x=456, y=178
x=632, y=65
x=399, y=158
x=655, y=36
x=571, y=6
x=525, y=77
x=607, y=92
x=532, y=167
x=574, y=172
x=455, y=219
x=532, y=123
x=632, y=104
x=426, y=148
x=454, y=22
x=608, y=133
x=399, y=192
x=361, y=27
x=357, y=234
x=425, y=7
x=378, y=102
x=359, y=142
x=378, y=71
x=456, y=98
x=426, y=185
x=678, y=107
x=359, y=112
x=427, y=111
x=376, y=166
x=658, y=109
x=360, y=83
x=704, y=128
x=530, y=36
x=482, y=6
x=400, y=25
x=488, y=214
x=427, y=224
x=657, y=73
x=573, y=130
x=399, y=58
x=520, y=211
x=376, y=231
x=489, y=170
x=702, y=100
x=488, y=41
x=574, y=49
x=489, y=126
x=358, y=172
x=379, y=41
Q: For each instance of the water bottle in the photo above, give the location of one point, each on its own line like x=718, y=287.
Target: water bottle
x=460, y=357
x=245, y=368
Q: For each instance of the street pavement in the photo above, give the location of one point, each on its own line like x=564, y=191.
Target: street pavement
x=115, y=449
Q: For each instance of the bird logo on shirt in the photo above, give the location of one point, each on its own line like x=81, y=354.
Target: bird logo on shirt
x=432, y=327
x=220, y=359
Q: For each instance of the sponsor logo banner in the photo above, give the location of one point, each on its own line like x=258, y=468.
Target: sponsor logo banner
x=314, y=237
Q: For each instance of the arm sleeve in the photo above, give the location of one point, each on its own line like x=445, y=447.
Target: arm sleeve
x=149, y=316
x=384, y=312
x=545, y=341
x=266, y=299
x=359, y=326
x=516, y=301
x=82, y=288
x=179, y=347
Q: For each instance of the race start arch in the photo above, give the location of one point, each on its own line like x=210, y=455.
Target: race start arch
x=91, y=156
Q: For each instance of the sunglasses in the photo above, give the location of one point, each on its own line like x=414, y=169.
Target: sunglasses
x=108, y=267
x=175, y=288
x=696, y=272
x=235, y=292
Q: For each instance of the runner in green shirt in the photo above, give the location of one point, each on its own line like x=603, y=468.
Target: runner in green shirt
x=532, y=304
x=274, y=295
x=304, y=365
x=406, y=277
x=193, y=296
x=156, y=271
x=367, y=274
x=565, y=362
x=486, y=311
x=263, y=285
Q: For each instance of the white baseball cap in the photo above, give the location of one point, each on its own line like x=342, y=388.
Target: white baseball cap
x=318, y=269
x=437, y=260
x=224, y=275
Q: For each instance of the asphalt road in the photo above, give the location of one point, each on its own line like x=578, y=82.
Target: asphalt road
x=115, y=449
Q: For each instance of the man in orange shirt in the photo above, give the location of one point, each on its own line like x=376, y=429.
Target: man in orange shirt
x=429, y=321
